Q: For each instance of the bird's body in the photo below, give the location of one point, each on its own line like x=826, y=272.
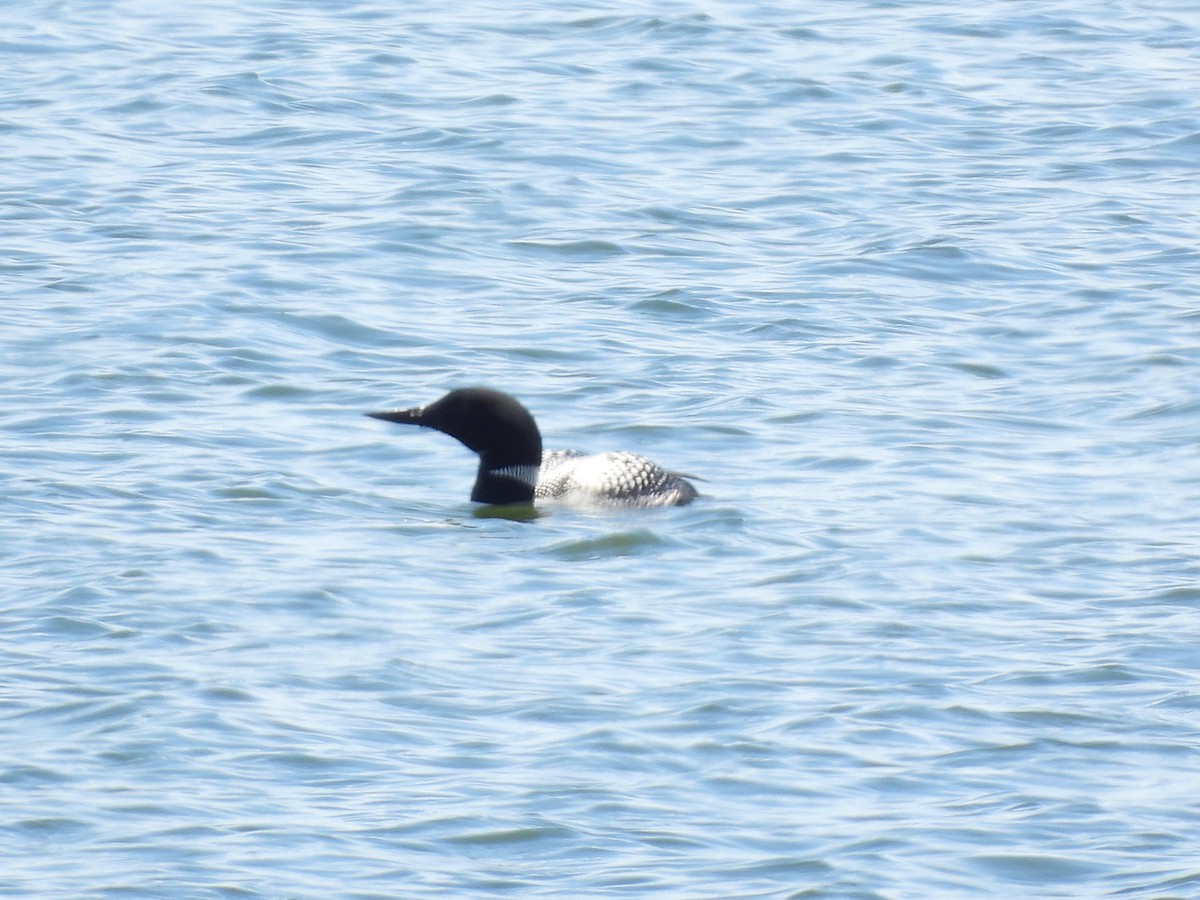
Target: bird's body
x=616, y=478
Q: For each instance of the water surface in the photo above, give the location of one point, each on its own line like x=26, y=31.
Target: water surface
x=912, y=286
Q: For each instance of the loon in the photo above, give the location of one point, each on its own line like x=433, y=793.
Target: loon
x=513, y=469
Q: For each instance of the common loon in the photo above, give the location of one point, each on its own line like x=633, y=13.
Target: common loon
x=513, y=469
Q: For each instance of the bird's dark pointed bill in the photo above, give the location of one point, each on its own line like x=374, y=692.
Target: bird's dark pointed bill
x=397, y=415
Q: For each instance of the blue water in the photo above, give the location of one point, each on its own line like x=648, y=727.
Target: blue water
x=914, y=287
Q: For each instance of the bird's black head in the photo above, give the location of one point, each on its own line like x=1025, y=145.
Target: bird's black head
x=495, y=426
